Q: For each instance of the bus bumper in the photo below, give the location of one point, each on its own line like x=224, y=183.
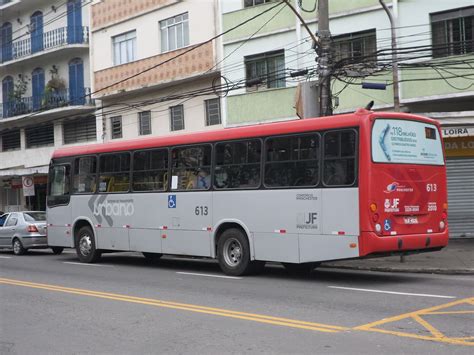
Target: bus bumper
x=371, y=243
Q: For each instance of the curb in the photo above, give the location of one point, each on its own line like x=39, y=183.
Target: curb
x=402, y=270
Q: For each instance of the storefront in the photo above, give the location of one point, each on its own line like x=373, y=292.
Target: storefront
x=459, y=147
x=12, y=196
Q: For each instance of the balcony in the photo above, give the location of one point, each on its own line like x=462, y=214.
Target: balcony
x=46, y=41
x=49, y=101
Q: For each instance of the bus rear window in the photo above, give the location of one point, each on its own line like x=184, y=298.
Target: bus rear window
x=406, y=142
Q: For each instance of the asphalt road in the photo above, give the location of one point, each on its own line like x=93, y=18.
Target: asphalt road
x=52, y=304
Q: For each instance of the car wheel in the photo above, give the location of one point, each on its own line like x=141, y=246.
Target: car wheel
x=18, y=248
x=57, y=250
x=85, y=246
x=233, y=252
x=153, y=257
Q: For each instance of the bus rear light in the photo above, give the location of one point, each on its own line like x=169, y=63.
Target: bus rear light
x=373, y=207
x=444, y=216
x=442, y=225
x=353, y=245
x=375, y=217
x=445, y=206
x=378, y=228
x=32, y=229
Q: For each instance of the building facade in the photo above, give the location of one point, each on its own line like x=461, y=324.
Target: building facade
x=435, y=55
x=45, y=93
x=154, y=67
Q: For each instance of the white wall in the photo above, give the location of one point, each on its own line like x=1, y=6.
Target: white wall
x=201, y=27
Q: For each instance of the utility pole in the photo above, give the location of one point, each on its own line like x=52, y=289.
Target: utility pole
x=396, y=95
x=324, y=63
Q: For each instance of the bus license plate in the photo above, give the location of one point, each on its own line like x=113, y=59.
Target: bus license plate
x=410, y=220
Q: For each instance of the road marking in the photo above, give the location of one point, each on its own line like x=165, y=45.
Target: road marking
x=391, y=292
x=285, y=322
x=210, y=275
x=84, y=264
x=5, y=257
x=436, y=335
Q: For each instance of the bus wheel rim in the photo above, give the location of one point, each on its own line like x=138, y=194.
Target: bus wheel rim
x=85, y=245
x=232, y=252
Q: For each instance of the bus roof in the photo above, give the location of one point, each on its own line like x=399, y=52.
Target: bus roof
x=242, y=132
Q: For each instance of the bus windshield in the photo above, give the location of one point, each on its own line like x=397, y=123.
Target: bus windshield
x=406, y=142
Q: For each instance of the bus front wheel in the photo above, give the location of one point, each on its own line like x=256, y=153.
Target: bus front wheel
x=233, y=252
x=85, y=246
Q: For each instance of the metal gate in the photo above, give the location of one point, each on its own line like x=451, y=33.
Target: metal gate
x=460, y=174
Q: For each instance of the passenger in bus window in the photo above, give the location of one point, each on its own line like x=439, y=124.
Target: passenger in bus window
x=203, y=180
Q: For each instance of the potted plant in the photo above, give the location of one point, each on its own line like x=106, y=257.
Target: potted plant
x=54, y=91
x=17, y=105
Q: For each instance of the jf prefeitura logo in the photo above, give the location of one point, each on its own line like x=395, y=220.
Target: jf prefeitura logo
x=103, y=209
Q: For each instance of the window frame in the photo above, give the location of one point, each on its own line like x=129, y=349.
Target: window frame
x=73, y=174
x=206, y=105
x=59, y=200
x=168, y=170
x=165, y=27
x=265, y=56
x=112, y=119
x=214, y=160
x=171, y=118
x=320, y=159
x=355, y=183
x=114, y=173
x=350, y=38
x=35, y=129
x=140, y=123
x=133, y=40
x=211, y=166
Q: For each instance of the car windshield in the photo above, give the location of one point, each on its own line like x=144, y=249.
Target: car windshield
x=35, y=216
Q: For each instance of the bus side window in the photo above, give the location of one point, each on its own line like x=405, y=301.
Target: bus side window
x=85, y=178
x=339, y=158
x=292, y=161
x=192, y=167
x=59, y=185
x=237, y=165
x=150, y=170
x=114, y=172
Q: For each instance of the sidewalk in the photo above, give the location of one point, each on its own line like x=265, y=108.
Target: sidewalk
x=456, y=258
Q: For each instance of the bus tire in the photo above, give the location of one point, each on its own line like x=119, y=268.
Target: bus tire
x=233, y=253
x=18, y=248
x=57, y=250
x=153, y=257
x=300, y=269
x=85, y=246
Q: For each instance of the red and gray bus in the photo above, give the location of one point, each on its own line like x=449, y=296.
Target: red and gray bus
x=297, y=192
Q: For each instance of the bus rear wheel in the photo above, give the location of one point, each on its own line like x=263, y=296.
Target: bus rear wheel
x=233, y=253
x=85, y=246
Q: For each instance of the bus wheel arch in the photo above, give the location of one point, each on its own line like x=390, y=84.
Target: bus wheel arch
x=233, y=250
x=84, y=242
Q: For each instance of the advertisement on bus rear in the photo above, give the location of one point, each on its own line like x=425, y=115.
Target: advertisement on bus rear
x=406, y=142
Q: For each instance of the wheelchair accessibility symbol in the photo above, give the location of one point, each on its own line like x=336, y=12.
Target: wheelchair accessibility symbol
x=171, y=201
x=387, y=225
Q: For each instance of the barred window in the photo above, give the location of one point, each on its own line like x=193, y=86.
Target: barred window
x=150, y=170
x=144, y=123
x=114, y=172
x=39, y=136
x=453, y=32
x=213, y=112
x=191, y=168
x=11, y=140
x=355, y=47
x=85, y=175
x=80, y=130
x=292, y=161
x=116, y=126
x=238, y=165
x=339, y=158
x=177, y=117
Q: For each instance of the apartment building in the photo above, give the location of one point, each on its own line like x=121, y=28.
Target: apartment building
x=45, y=93
x=154, y=67
x=275, y=53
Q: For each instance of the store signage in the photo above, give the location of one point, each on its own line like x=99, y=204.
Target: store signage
x=459, y=146
x=457, y=131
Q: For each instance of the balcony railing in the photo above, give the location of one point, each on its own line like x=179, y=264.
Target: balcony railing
x=47, y=101
x=44, y=41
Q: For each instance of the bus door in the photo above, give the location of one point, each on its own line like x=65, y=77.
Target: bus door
x=59, y=207
x=189, y=203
